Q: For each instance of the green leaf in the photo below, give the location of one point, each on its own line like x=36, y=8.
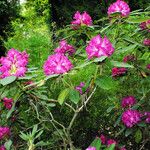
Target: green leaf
x=121, y=64
x=138, y=136
x=110, y=109
x=62, y=96
x=127, y=49
x=51, y=76
x=112, y=147
x=8, y=80
x=117, y=121
x=10, y=111
x=96, y=143
x=74, y=96
x=128, y=132
x=137, y=20
x=83, y=64
x=100, y=59
x=142, y=124
x=8, y=145
x=27, y=77
x=105, y=83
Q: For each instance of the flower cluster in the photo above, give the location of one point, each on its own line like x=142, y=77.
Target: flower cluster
x=8, y=102
x=81, y=19
x=128, y=101
x=64, y=48
x=57, y=64
x=2, y=147
x=145, y=25
x=146, y=42
x=120, y=7
x=91, y=148
x=129, y=58
x=131, y=118
x=13, y=64
x=4, y=131
x=98, y=47
x=118, y=71
x=79, y=88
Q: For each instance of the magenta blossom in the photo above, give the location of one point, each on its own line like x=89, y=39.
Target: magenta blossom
x=64, y=48
x=145, y=25
x=118, y=71
x=57, y=64
x=8, y=102
x=110, y=142
x=4, y=131
x=103, y=139
x=128, y=101
x=2, y=147
x=129, y=58
x=147, y=114
x=148, y=66
x=14, y=63
x=146, y=42
x=119, y=6
x=81, y=19
x=91, y=148
x=98, y=47
x=79, y=88
x=131, y=118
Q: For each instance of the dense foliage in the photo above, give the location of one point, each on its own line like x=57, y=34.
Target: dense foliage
x=88, y=81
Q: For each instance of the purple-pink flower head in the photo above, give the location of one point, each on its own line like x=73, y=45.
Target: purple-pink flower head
x=79, y=87
x=103, y=139
x=98, y=47
x=2, y=147
x=129, y=58
x=14, y=63
x=91, y=148
x=110, y=142
x=8, y=102
x=57, y=64
x=119, y=6
x=147, y=114
x=64, y=48
x=128, y=101
x=4, y=131
x=118, y=71
x=145, y=25
x=148, y=66
x=131, y=118
x=146, y=42
x=81, y=19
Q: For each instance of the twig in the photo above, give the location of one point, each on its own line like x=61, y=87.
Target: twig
x=70, y=107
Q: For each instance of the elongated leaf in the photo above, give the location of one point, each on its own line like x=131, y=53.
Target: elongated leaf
x=96, y=143
x=8, y=145
x=51, y=76
x=128, y=132
x=137, y=20
x=62, y=96
x=112, y=147
x=100, y=59
x=121, y=64
x=27, y=77
x=8, y=80
x=138, y=136
x=74, y=96
x=127, y=49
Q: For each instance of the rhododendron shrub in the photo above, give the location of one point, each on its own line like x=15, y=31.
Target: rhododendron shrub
x=92, y=80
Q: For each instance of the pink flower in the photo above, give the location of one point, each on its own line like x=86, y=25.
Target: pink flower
x=118, y=71
x=64, y=48
x=129, y=58
x=57, y=64
x=146, y=42
x=147, y=114
x=98, y=47
x=145, y=25
x=81, y=19
x=13, y=64
x=131, y=118
x=128, y=101
x=79, y=87
x=103, y=139
x=148, y=66
x=119, y=6
x=8, y=102
x=91, y=148
x=2, y=147
x=110, y=142
x=4, y=131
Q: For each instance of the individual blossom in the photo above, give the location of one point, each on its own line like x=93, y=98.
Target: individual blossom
x=8, y=102
x=64, y=48
x=147, y=114
x=118, y=71
x=79, y=88
x=103, y=139
x=129, y=58
x=146, y=42
x=131, y=118
x=145, y=25
x=57, y=64
x=2, y=147
x=110, y=142
x=128, y=101
x=148, y=66
x=4, y=131
x=15, y=63
x=91, y=148
x=98, y=47
x=120, y=7
x=81, y=19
